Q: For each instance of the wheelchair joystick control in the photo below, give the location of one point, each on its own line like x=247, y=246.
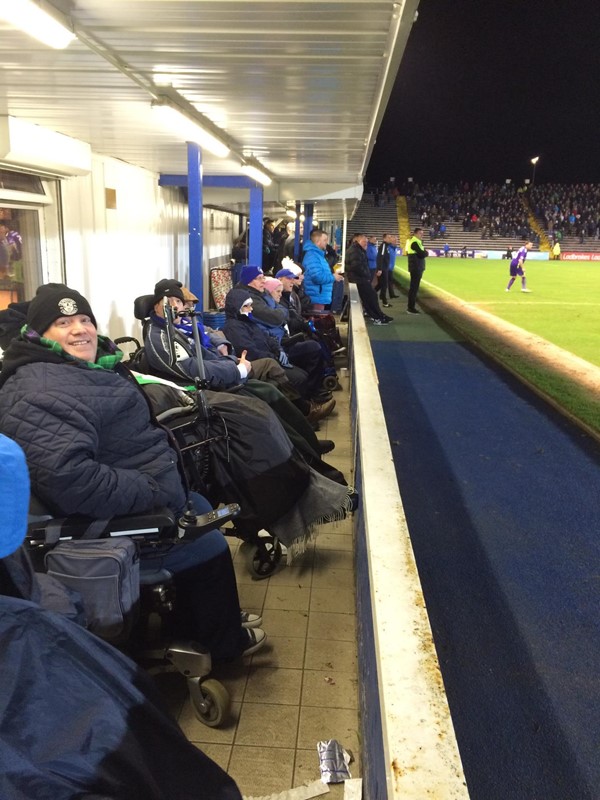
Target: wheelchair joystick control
x=195, y=525
x=187, y=520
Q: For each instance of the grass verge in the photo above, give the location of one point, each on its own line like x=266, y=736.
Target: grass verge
x=553, y=383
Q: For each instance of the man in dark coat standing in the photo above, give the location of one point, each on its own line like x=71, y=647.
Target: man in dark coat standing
x=358, y=272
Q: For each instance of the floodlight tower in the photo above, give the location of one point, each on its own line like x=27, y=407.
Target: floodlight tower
x=534, y=161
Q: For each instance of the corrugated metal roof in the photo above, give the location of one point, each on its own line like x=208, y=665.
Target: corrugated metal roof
x=301, y=86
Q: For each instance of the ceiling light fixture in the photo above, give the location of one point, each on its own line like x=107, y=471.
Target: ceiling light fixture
x=190, y=125
x=47, y=26
x=256, y=171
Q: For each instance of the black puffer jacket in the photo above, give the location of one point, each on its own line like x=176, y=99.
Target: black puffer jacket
x=91, y=445
x=356, y=264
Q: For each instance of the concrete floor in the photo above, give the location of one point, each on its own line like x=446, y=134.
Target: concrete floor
x=301, y=688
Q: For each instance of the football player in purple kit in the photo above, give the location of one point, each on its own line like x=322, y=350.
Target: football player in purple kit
x=517, y=268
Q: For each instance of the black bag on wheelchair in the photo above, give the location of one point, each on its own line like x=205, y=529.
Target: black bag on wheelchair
x=106, y=575
x=236, y=452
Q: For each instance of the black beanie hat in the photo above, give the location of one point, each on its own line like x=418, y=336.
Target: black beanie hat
x=53, y=301
x=168, y=287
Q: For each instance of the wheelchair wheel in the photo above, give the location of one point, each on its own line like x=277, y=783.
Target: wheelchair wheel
x=210, y=701
x=265, y=557
x=330, y=383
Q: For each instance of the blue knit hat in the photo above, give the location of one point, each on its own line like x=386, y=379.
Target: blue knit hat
x=249, y=272
x=14, y=496
x=285, y=273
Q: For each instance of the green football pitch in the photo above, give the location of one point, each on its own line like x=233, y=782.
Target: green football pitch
x=563, y=307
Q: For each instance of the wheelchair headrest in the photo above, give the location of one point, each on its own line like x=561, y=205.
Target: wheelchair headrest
x=142, y=306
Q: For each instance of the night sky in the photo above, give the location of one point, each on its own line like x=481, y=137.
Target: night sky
x=484, y=86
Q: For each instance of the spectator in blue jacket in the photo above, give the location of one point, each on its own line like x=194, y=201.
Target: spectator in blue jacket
x=318, y=277
x=384, y=269
x=372, y=255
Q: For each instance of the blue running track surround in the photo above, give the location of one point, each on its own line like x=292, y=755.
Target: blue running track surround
x=502, y=498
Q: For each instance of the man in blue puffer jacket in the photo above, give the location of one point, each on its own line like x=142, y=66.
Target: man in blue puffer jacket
x=318, y=277
x=93, y=448
x=372, y=255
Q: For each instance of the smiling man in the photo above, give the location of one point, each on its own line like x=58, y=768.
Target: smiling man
x=66, y=399
x=75, y=332
x=93, y=448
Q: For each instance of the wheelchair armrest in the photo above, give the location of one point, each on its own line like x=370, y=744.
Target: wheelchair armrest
x=46, y=529
x=128, y=340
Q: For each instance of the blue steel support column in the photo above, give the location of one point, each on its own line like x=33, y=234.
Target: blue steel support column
x=256, y=217
x=194, y=184
x=297, y=234
x=308, y=220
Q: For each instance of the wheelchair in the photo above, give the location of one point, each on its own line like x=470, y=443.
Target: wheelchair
x=264, y=551
x=196, y=430
x=325, y=332
x=148, y=643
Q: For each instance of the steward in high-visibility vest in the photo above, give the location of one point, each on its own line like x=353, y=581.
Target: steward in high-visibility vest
x=414, y=247
x=416, y=266
x=556, y=251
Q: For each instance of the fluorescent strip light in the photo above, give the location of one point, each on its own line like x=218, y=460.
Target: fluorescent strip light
x=30, y=18
x=189, y=130
x=257, y=174
x=23, y=144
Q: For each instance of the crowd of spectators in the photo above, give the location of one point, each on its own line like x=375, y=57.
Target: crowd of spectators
x=497, y=210
x=567, y=210
x=383, y=194
x=494, y=210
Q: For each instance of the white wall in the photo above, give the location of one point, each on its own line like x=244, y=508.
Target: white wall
x=220, y=229
x=114, y=255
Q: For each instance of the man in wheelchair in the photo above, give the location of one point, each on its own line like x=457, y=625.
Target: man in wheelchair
x=170, y=352
x=79, y=719
x=93, y=448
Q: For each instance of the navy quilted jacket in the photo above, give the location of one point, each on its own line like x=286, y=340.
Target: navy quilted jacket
x=90, y=443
